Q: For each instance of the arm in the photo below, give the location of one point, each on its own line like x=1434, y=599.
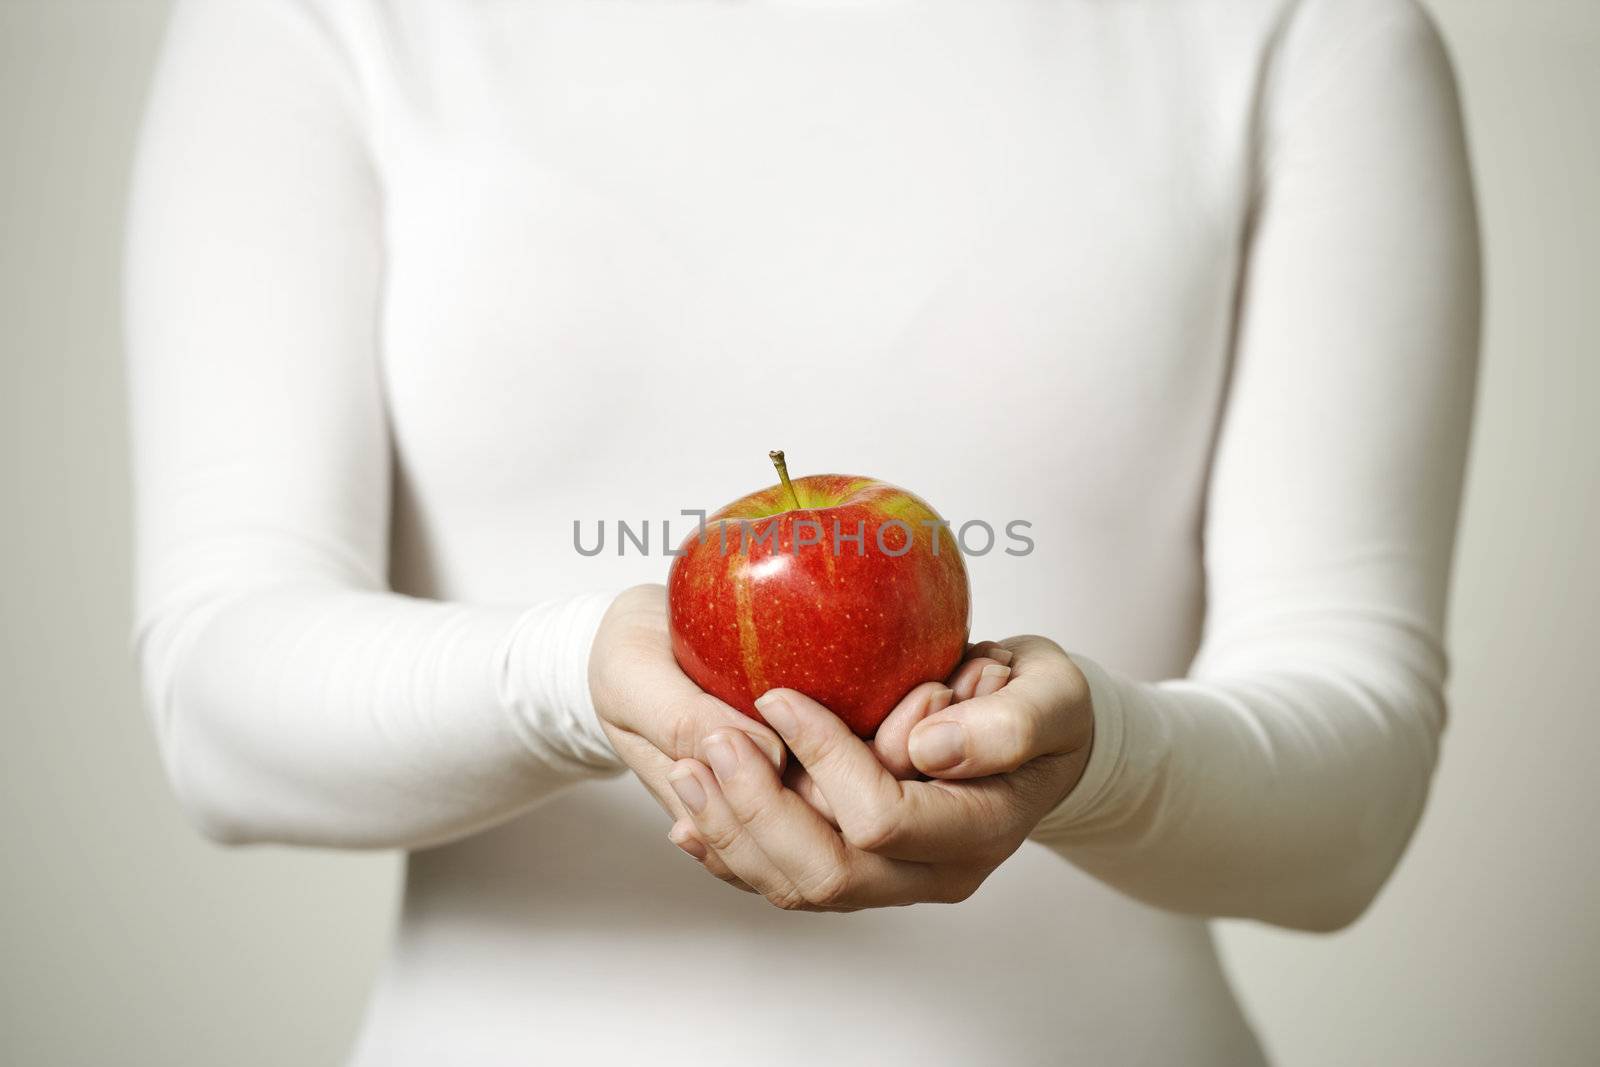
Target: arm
x=296, y=698
x=1283, y=778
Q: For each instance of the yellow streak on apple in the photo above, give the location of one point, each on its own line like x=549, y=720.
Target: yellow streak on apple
x=749, y=648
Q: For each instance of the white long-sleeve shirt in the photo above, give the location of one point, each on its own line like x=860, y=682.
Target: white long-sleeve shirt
x=414, y=286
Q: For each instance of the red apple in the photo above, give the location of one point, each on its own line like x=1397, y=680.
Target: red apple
x=778, y=591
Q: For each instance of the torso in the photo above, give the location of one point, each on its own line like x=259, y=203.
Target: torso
x=988, y=252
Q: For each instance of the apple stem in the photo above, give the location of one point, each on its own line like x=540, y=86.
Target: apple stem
x=776, y=455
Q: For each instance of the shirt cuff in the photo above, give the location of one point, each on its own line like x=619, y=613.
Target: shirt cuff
x=545, y=683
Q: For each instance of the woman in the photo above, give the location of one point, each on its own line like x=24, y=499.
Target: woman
x=1192, y=288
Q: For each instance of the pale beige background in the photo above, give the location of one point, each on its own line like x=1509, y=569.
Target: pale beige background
x=127, y=940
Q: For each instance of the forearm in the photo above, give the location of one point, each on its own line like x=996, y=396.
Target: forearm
x=1282, y=791
x=335, y=716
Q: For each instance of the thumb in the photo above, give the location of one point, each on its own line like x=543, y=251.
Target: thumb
x=998, y=732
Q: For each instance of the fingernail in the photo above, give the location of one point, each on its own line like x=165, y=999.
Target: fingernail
x=939, y=746
x=940, y=699
x=689, y=790
x=722, y=756
x=770, y=747
x=991, y=678
x=1000, y=655
x=681, y=836
x=775, y=709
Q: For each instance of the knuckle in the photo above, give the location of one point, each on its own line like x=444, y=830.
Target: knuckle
x=754, y=807
x=828, y=888
x=685, y=723
x=1014, y=735
x=722, y=838
x=788, y=898
x=1036, y=644
x=877, y=830
x=727, y=877
x=823, y=746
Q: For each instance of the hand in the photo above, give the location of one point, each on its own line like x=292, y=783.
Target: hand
x=649, y=708
x=1002, y=760
x=983, y=669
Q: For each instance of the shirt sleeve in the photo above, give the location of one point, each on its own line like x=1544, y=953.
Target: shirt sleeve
x=297, y=698
x=1282, y=779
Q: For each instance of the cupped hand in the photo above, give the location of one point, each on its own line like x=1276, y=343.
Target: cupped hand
x=1000, y=760
x=983, y=669
x=650, y=709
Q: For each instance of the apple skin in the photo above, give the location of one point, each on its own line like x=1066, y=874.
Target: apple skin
x=855, y=632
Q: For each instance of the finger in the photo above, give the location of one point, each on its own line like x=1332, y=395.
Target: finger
x=875, y=812
x=651, y=768
x=991, y=679
x=684, y=836
x=964, y=681
x=934, y=829
x=797, y=778
x=1001, y=728
x=860, y=791
x=892, y=742
x=819, y=868
x=725, y=836
x=990, y=650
